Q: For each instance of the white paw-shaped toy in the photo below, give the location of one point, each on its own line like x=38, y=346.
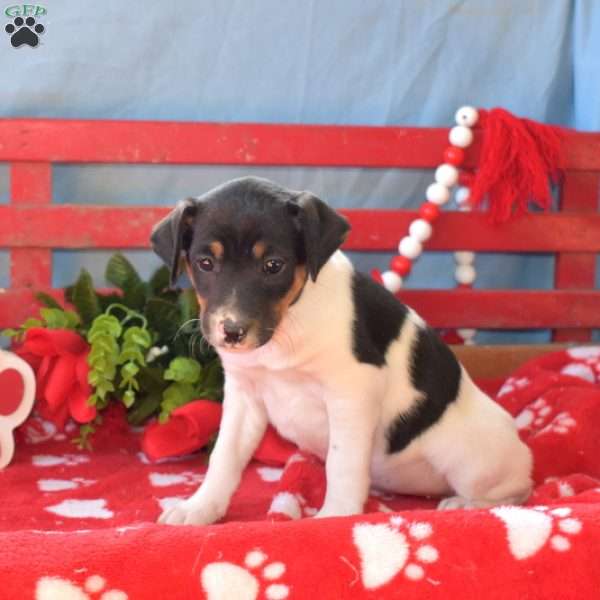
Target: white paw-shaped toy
x=17, y=393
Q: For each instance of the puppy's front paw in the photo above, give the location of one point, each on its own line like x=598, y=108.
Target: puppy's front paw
x=192, y=512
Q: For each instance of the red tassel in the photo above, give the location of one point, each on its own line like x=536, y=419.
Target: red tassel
x=518, y=159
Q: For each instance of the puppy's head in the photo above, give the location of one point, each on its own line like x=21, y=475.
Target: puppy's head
x=248, y=246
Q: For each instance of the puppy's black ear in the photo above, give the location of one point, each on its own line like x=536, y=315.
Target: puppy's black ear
x=323, y=230
x=173, y=235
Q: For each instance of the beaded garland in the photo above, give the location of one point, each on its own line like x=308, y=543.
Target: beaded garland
x=438, y=193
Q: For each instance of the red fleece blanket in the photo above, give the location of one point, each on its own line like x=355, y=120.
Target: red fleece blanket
x=80, y=525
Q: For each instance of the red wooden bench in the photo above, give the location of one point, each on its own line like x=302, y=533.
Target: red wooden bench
x=31, y=226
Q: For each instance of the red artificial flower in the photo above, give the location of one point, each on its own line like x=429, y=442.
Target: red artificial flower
x=59, y=359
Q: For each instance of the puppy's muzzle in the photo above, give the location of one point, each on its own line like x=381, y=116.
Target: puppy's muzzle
x=234, y=332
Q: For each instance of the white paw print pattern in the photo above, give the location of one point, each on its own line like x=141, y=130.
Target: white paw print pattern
x=227, y=580
x=562, y=424
x=530, y=529
x=67, y=460
x=386, y=549
x=536, y=414
x=94, y=587
x=512, y=384
x=294, y=506
x=38, y=430
x=580, y=370
x=168, y=479
x=60, y=485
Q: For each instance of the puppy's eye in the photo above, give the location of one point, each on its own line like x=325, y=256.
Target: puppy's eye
x=206, y=264
x=273, y=266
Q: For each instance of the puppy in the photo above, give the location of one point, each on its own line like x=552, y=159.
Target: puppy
x=334, y=361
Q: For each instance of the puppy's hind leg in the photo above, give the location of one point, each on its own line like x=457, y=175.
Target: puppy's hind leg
x=481, y=455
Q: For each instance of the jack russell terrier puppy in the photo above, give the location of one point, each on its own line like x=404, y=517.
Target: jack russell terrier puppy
x=333, y=360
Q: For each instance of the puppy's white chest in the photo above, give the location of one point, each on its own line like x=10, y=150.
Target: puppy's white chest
x=296, y=408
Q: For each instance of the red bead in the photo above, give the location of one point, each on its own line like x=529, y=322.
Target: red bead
x=376, y=275
x=401, y=265
x=454, y=155
x=429, y=211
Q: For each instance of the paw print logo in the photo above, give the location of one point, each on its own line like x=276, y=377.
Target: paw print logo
x=24, y=31
x=386, y=549
x=256, y=579
x=530, y=529
x=50, y=588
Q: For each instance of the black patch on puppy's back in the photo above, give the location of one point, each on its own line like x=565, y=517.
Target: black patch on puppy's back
x=436, y=373
x=378, y=319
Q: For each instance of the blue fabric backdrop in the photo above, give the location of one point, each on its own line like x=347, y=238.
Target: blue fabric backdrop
x=407, y=62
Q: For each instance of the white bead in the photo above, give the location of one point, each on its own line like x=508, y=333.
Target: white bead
x=437, y=193
x=465, y=274
x=464, y=257
x=446, y=175
x=410, y=247
x=468, y=335
x=462, y=195
x=420, y=229
x=466, y=115
x=391, y=281
x=460, y=136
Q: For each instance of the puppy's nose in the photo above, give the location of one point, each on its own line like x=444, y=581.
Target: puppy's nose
x=235, y=331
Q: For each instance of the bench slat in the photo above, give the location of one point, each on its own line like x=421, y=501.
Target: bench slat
x=75, y=226
x=487, y=309
x=166, y=142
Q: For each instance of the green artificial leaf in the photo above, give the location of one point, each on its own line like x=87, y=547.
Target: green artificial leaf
x=121, y=273
x=144, y=407
x=176, y=395
x=211, y=384
x=131, y=355
x=184, y=370
x=73, y=320
x=135, y=296
x=129, y=371
x=31, y=322
x=163, y=317
x=138, y=336
x=55, y=318
x=105, y=325
x=160, y=280
x=104, y=387
x=129, y=398
x=85, y=298
x=10, y=333
x=47, y=300
x=152, y=378
x=188, y=305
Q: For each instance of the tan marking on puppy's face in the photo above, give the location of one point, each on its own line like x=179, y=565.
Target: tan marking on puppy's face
x=217, y=249
x=259, y=250
x=201, y=299
x=300, y=277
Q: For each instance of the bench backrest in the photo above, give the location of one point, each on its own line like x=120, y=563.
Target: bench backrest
x=31, y=226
